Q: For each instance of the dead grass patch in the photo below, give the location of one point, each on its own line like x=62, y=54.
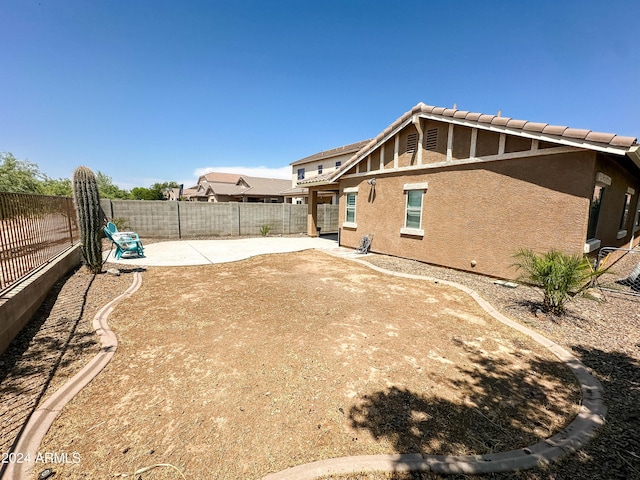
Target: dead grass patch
x=237, y=370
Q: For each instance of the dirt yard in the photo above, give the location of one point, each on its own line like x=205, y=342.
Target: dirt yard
x=236, y=370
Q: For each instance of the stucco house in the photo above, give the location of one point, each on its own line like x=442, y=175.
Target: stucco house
x=467, y=190
x=322, y=163
x=231, y=187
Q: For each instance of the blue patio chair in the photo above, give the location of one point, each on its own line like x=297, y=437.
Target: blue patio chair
x=125, y=242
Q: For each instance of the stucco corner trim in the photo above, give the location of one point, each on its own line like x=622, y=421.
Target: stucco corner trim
x=416, y=232
x=349, y=225
x=591, y=245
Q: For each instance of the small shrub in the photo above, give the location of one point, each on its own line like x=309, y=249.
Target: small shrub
x=121, y=223
x=264, y=230
x=560, y=276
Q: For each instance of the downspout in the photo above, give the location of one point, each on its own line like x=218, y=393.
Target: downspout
x=418, y=125
x=634, y=155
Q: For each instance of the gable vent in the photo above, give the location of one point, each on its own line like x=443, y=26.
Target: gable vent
x=412, y=142
x=432, y=139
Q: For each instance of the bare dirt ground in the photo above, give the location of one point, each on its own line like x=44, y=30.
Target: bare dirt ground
x=237, y=370
x=59, y=341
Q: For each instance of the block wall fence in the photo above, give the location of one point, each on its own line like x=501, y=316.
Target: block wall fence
x=201, y=219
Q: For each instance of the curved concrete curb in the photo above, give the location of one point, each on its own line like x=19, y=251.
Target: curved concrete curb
x=44, y=416
x=582, y=429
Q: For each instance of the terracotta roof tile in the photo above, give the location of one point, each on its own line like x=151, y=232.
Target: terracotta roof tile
x=484, y=118
x=460, y=114
x=449, y=112
x=620, y=141
x=554, y=130
x=516, y=123
x=600, y=137
x=501, y=121
x=438, y=110
x=534, y=126
x=576, y=133
x=473, y=116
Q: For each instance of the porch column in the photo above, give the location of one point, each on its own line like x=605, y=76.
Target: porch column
x=312, y=213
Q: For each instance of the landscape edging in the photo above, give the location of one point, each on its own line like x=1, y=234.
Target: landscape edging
x=44, y=416
x=574, y=436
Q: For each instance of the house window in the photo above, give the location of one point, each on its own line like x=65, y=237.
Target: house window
x=602, y=181
x=301, y=174
x=338, y=163
x=622, y=229
x=351, y=208
x=319, y=169
x=351, y=194
x=413, y=210
x=594, y=211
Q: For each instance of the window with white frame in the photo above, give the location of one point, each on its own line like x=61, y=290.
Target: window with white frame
x=626, y=209
x=602, y=181
x=414, y=193
x=301, y=174
x=351, y=194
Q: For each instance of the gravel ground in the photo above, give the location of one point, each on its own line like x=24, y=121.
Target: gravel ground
x=605, y=335
x=54, y=346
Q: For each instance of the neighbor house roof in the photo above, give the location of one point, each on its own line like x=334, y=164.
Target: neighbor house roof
x=215, y=177
x=233, y=184
x=606, y=142
x=334, y=152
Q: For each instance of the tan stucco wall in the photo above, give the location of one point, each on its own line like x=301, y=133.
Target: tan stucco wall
x=482, y=212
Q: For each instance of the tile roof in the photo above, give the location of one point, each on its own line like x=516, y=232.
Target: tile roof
x=351, y=148
x=215, y=177
x=221, y=184
x=582, y=138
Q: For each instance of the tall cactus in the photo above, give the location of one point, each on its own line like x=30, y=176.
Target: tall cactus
x=87, y=202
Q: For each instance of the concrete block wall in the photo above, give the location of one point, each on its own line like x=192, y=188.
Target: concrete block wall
x=204, y=219
x=199, y=219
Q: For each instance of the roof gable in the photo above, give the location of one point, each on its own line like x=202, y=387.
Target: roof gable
x=561, y=135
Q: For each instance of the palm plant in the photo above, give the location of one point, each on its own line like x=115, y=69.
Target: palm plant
x=559, y=275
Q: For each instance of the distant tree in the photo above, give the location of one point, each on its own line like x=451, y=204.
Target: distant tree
x=154, y=192
x=142, y=193
x=60, y=187
x=19, y=176
x=108, y=189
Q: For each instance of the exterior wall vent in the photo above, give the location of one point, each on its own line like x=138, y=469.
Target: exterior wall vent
x=432, y=139
x=412, y=142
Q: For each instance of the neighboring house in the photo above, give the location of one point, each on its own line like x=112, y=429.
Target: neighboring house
x=466, y=190
x=318, y=164
x=173, y=194
x=230, y=187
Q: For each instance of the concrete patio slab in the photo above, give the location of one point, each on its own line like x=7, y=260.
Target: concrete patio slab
x=203, y=252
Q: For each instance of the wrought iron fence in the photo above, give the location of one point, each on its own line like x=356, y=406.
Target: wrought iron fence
x=624, y=276
x=33, y=230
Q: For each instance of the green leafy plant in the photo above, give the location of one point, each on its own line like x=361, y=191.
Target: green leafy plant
x=120, y=223
x=264, y=230
x=87, y=203
x=559, y=275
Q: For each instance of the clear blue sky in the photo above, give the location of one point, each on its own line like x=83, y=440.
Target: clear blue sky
x=158, y=90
